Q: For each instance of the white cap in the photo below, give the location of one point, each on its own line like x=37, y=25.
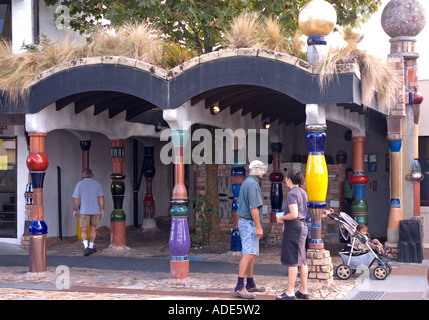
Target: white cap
x=257, y=164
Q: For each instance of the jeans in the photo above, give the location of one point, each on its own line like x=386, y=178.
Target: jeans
x=249, y=240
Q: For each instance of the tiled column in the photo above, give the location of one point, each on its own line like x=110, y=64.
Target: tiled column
x=402, y=21
x=395, y=212
x=316, y=181
x=117, y=188
x=238, y=175
x=149, y=171
x=179, y=242
x=37, y=163
x=415, y=99
x=85, y=146
x=276, y=178
x=359, y=181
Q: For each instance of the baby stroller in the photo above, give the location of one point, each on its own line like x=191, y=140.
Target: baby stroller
x=358, y=252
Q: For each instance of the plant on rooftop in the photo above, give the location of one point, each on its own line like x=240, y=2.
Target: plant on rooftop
x=137, y=41
x=18, y=71
x=270, y=35
x=376, y=76
x=242, y=31
x=251, y=30
x=176, y=54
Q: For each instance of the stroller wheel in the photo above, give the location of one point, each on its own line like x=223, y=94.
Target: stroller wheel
x=380, y=273
x=343, y=272
x=388, y=267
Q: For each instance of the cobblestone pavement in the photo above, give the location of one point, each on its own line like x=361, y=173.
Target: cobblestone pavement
x=96, y=284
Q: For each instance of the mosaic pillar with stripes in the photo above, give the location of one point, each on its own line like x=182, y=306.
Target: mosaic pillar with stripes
x=37, y=163
x=316, y=180
x=276, y=178
x=416, y=175
x=117, y=188
x=359, y=181
x=395, y=212
x=317, y=19
x=179, y=242
x=238, y=175
x=402, y=20
x=149, y=171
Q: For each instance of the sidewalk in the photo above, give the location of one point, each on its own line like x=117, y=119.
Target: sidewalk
x=142, y=273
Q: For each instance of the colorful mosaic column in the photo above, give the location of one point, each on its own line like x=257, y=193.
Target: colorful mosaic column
x=416, y=98
x=395, y=213
x=117, y=188
x=37, y=163
x=359, y=181
x=402, y=20
x=149, y=171
x=317, y=19
x=179, y=242
x=85, y=146
x=238, y=175
x=317, y=181
x=276, y=178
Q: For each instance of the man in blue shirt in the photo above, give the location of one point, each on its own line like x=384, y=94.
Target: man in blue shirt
x=89, y=193
x=250, y=228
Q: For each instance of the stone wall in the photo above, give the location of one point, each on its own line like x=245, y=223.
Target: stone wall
x=272, y=231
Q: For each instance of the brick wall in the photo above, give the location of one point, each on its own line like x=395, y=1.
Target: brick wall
x=272, y=231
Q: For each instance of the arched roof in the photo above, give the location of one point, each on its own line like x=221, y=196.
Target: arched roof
x=257, y=81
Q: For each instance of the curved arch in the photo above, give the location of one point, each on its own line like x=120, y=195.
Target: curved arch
x=96, y=77
x=296, y=82
x=170, y=89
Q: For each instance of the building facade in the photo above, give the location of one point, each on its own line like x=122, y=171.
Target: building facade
x=109, y=114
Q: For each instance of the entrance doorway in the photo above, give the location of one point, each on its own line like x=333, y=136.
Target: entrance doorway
x=8, y=188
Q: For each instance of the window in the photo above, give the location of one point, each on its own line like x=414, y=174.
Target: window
x=5, y=20
x=7, y=187
x=424, y=163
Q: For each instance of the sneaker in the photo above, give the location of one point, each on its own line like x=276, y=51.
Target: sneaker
x=87, y=252
x=256, y=289
x=244, y=294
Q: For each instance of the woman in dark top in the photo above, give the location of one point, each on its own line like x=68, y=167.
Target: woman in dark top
x=295, y=232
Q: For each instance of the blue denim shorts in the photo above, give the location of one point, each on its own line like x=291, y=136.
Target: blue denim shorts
x=249, y=240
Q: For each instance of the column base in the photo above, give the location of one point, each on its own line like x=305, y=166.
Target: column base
x=179, y=269
x=320, y=268
x=117, y=234
x=148, y=225
x=392, y=235
x=316, y=244
x=37, y=253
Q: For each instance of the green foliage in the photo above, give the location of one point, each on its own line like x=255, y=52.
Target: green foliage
x=199, y=24
x=202, y=224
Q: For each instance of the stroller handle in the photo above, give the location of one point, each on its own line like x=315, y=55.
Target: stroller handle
x=333, y=216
